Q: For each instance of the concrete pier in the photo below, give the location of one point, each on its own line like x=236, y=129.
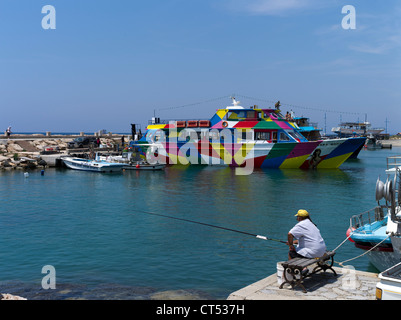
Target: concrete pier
x=348, y=285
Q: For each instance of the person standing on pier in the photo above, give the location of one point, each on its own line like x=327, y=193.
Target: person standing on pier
x=308, y=237
x=8, y=131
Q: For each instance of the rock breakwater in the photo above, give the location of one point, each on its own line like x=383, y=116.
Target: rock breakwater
x=22, y=154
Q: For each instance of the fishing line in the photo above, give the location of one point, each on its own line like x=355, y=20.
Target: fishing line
x=212, y=226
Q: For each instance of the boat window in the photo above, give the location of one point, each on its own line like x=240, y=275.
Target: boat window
x=236, y=115
x=262, y=135
x=295, y=135
x=251, y=115
x=284, y=137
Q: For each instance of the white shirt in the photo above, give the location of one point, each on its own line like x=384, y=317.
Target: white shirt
x=310, y=242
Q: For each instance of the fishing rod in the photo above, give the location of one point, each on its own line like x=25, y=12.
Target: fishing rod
x=213, y=226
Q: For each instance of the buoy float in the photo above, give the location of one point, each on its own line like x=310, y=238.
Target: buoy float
x=137, y=166
x=26, y=174
x=349, y=232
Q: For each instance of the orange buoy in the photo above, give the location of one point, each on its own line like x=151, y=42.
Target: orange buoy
x=349, y=232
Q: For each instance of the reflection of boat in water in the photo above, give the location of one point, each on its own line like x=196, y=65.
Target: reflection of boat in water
x=378, y=230
x=91, y=165
x=242, y=137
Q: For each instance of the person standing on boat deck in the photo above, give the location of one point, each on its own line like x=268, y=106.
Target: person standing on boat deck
x=307, y=235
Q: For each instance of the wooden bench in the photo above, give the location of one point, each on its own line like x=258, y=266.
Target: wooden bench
x=295, y=269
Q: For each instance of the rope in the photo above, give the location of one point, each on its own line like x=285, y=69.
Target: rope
x=195, y=103
x=342, y=242
x=361, y=255
x=302, y=107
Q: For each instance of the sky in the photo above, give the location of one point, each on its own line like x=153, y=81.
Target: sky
x=108, y=64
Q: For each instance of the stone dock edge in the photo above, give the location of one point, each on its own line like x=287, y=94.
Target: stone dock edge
x=349, y=284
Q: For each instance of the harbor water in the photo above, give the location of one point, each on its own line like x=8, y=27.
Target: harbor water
x=96, y=231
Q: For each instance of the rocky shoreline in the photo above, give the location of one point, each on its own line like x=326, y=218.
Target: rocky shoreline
x=7, y=296
x=25, y=152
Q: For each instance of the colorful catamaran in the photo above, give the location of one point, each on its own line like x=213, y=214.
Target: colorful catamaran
x=240, y=137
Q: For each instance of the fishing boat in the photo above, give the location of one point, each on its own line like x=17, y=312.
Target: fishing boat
x=144, y=165
x=94, y=165
x=132, y=161
x=241, y=137
x=378, y=230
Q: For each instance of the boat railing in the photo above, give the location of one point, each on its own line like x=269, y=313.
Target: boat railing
x=375, y=214
x=168, y=121
x=393, y=162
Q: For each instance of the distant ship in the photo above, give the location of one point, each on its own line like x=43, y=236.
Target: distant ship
x=352, y=129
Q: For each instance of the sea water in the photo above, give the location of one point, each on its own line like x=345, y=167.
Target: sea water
x=98, y=233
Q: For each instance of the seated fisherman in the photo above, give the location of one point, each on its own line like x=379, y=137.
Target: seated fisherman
x=307, y=235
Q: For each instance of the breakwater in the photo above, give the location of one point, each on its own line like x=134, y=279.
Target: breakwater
x=20, y=152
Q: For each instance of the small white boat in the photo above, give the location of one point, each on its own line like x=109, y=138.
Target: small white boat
x=143, y=165
x=92, y=165
x=133, y=161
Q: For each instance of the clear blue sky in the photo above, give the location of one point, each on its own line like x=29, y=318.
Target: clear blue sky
x=112, y=63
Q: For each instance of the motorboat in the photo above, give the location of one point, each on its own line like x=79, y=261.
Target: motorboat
x=378, y=230
x=144, y=165
x=94, y=165
x=131, y=160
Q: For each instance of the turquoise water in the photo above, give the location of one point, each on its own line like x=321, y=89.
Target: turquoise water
x=91, y=227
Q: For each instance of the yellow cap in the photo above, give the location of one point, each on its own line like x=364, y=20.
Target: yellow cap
x=302, y=213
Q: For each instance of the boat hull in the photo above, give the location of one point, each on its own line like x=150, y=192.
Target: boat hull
x=322, y=154
x=373, y=237
x=336, y=151
x=146, y=166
